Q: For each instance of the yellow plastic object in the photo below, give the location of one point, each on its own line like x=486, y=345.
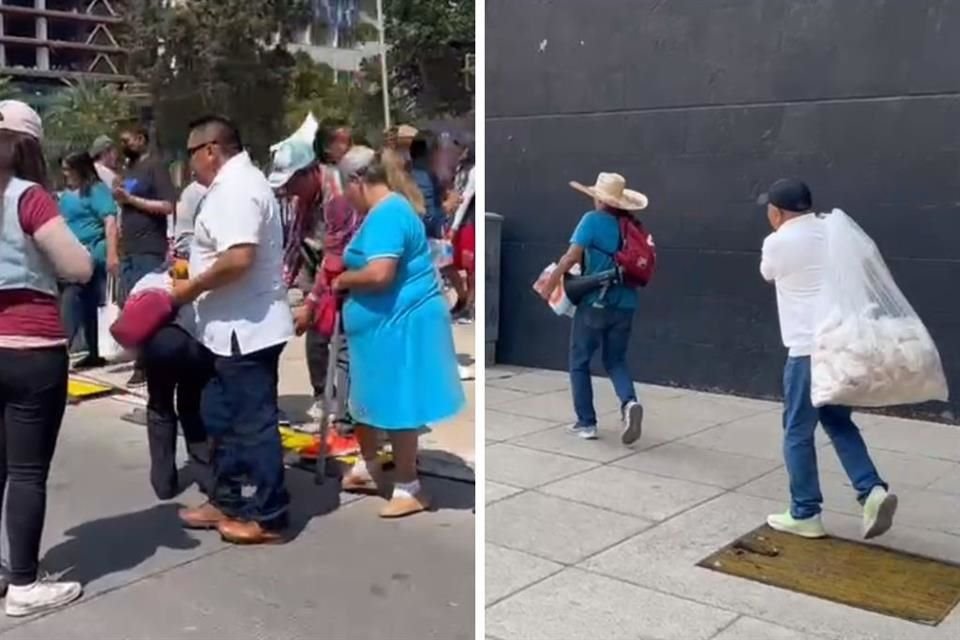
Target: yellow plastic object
x=294, y=440
x=80, y=390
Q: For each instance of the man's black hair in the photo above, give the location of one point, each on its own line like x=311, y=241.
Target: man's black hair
x=325, y=134
x=138, y=129
x=224, y=131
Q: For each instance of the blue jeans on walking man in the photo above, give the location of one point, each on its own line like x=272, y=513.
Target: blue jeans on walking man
x=607, y=330
x=800, y=419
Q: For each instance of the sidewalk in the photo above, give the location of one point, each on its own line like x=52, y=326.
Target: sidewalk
x=592, y=539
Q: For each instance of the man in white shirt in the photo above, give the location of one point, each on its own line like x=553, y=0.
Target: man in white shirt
x=793, y=260
x=243, y=318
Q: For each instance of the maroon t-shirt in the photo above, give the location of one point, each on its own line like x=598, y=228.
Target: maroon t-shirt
x=24, y=312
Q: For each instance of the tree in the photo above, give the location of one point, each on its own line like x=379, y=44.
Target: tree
x=429, y=41
x=7, y=89
x=215, y=56
x=80, y=113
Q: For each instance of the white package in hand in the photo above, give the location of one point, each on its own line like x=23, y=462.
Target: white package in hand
x=559, y=301
x=870, y=347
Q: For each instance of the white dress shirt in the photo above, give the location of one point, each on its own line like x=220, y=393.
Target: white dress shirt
x=240, y=208
x=793, y=259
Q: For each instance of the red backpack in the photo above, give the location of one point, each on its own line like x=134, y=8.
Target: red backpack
x=637, y=257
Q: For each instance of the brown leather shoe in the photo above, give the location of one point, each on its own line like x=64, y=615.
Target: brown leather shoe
x=402, y=507
x=206, y=516
x=240, y=532
x=354, y=483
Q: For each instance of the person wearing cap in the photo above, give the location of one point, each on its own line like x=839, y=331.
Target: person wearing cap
x=394, y=315
x=243, y=318
x=793, y=259
x=604, y=318
x=106, y=160
x=37, y=249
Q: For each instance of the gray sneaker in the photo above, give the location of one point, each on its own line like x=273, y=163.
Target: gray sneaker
x=632, y=423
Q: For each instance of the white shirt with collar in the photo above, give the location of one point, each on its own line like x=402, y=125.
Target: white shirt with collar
x=240, y=208
x=793, y=259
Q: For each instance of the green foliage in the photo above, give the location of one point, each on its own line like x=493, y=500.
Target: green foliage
x=80, y=113
x=429, y=41
x=7, y=89
x=215, y=56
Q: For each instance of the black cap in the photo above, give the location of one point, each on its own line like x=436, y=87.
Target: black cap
x=788, y=194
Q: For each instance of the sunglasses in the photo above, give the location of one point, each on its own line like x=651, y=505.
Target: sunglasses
x=192, y=150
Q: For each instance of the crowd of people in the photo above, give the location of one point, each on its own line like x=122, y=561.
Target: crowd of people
x=215, y=283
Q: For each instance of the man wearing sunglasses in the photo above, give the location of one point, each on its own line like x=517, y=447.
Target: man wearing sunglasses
x=242, y=316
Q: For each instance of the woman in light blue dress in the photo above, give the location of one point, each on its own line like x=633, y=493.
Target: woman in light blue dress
x=403, y=364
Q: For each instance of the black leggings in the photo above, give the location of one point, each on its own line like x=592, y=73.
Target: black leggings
x=177, y=369
x=33, y=396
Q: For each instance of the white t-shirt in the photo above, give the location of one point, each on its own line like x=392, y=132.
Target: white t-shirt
x=240, y=208
x=793, y=258
x=106, y=174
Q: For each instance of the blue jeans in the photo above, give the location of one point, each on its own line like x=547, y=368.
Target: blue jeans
x=79, y=305
x=800, y=419
x=609, y=331
x=133, y=268
x=239, y=408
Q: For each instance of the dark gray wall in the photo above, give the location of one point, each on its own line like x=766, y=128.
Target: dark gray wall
x=701, y=103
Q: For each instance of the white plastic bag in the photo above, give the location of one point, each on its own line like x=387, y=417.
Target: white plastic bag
x=106, y=316
x=870, y=347
x=559, y=301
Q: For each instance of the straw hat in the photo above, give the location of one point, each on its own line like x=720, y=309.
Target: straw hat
x=611, y=189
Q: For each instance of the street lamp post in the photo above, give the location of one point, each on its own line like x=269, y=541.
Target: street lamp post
x=383, y=64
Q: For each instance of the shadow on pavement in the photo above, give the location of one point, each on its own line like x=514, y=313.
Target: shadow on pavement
x=449, y=494
x=309, y=500
x=117, y=543
x=295, y=407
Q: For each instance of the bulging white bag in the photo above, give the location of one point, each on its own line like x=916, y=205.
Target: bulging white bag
x=870, y=347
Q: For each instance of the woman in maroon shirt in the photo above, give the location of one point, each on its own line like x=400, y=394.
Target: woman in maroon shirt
x=36, y=249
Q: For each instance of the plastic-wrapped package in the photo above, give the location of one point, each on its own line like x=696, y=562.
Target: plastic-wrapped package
x=559, y=302
x=870, y=347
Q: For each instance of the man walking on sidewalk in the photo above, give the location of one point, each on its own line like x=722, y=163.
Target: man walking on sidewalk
x=604, y=318
x=793, y=260
x=244, y=319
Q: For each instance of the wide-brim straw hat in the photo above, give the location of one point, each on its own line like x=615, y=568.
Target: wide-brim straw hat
x=611, y=189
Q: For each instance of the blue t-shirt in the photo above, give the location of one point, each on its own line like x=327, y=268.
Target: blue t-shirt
x=86, y=216
x=599, y=235
x=392, y=229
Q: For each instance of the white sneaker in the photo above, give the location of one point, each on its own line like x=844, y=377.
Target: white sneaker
x=806, y=528
x=632, y=423
x=878, y=511
x=40, y=596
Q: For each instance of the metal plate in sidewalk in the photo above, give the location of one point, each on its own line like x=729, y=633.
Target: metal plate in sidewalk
x=885, y=581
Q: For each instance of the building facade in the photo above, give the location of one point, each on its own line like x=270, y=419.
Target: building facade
x=701, y=105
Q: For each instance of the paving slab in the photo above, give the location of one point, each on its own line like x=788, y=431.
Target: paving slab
x=752, y=629
x=948, y=482
x=575, y=604
x=897, y=468
x=527, y=468
x=557, y=529
x=535, y=382
x=507, y=426
x=633, y=493
x=496, y=491
x=508, y=571
x=912, y=436
x=606, y=448
x=759, y=436
x=496, y=396
x=706, y=466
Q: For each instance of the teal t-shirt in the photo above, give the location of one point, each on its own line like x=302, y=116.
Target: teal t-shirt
x=599, y=235
x=86, y=216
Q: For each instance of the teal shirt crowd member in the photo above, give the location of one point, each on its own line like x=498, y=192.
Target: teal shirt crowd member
x=88, y=207
x=403, y=363
x=604, y=317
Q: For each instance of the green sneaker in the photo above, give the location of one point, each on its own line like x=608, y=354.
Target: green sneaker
x=878, y=511
x=806, y=528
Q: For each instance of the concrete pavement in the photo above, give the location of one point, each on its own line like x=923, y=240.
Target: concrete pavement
x=592, y=539
x=346, y=575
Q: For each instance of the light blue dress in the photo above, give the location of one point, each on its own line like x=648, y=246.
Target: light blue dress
x=403, y=364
